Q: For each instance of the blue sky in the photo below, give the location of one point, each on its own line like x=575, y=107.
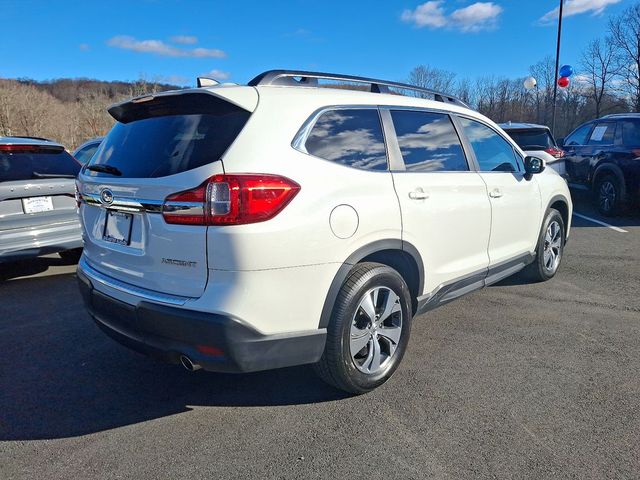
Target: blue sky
x=177, y=40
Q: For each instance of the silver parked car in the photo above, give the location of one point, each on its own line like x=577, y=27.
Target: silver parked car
x=38, y=212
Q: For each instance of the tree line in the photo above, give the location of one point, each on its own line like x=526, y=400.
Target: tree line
x=607, y=80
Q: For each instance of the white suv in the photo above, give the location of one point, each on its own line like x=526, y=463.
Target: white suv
x=242, y=228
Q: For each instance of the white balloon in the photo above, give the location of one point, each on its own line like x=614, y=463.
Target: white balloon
x=530, y=83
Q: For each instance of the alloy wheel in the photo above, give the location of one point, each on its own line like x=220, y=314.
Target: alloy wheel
x=607, y=196
x=376, y=328
x=552, y=247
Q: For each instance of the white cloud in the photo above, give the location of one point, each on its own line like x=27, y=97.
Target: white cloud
x=217, y=75
x=429, y=14
x=184, y=39
x=576, y=7
x=175, y=79
x=473, y=18
x=158, y=47
x=85, y=47
x=476, y=17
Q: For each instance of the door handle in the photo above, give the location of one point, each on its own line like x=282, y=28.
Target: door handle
x=418, y=194
x=495, y=193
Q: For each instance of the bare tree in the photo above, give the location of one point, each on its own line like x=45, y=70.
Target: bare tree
x=598, y=70
x=625, y=36
x=433, y=78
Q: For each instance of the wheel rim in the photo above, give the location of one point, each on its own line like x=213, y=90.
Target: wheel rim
x=552, y=247
x=376, y=328
x=607, y=195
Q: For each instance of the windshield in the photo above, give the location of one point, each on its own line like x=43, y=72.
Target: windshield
x=527, y=139
x=36, y=163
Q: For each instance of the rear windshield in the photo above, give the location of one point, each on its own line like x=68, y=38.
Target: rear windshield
x=532, y=139
x=170, y=136
x=35, y=165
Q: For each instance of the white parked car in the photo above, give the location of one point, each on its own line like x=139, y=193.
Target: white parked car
x=537, y=141
x=243, y=228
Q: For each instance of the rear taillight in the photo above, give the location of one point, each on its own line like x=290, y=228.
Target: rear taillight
x=555, y=152
x=230, y=200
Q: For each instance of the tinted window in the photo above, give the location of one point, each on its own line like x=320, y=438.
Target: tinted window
x=169, y=135
x=602, y=134
x=532, y=139
x=494, y=153
x=33, y=165
x=630, y=132
x=428, y=142
x=84, y=155
x=350, y=137
x=578, y=137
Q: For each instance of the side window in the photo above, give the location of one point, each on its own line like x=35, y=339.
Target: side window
x=428, y=142
x=578, y=137
x=630, y=133
x=603, y=134
x=84, y=155
x=494, y=153
x=352, y=137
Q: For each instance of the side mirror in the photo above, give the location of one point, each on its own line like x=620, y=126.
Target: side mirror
x=533, y=165
x=560, y=142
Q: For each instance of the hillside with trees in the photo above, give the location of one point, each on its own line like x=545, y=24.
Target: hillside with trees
x=69, y=111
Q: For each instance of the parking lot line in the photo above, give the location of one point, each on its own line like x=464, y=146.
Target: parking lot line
x=612, y=227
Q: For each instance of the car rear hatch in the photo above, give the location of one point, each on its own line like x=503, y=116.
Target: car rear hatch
x=160, y=145
x=36, y=185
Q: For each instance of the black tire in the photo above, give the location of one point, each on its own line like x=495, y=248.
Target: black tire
x=607, y=195
x=71, y=256
x=337, y=366
x=538, y=270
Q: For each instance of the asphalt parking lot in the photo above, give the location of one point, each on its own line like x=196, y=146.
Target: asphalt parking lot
x=515, y=381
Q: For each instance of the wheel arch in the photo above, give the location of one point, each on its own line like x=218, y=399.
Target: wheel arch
x=561, y=204
x=397, y=254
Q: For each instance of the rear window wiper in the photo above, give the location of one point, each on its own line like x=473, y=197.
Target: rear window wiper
x=52, y=175
x=104, y=169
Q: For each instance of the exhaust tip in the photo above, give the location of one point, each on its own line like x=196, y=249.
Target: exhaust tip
x=188, y=364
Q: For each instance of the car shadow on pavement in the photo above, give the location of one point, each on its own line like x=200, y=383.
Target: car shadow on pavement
x=31, y=266
x=62, y=377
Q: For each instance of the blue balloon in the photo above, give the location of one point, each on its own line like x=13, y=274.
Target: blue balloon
x=566, y=71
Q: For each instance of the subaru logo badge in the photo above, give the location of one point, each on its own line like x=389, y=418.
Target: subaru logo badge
x=106, y=196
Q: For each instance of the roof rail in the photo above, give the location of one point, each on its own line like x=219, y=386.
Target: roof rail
x=301, y=78
x=627, y=114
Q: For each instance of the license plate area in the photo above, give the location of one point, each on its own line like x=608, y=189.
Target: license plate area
x=117, y=227
x=37, y=204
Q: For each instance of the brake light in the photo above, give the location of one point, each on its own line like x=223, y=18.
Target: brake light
x=19, y=148
x=231, y=200
x=31, y=148
x=555, y=152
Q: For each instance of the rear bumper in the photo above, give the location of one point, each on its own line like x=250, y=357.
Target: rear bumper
x=41, y=240
x=216, y=342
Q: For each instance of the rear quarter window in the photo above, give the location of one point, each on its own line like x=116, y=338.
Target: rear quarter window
x=630, y=132
x=351, y=137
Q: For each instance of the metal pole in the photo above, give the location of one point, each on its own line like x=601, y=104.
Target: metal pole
x=555, y=81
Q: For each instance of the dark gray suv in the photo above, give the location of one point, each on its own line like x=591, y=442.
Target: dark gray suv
x=37, y=199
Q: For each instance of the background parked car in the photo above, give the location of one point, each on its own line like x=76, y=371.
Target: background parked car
x=85, y=151
x=37, y=199
x=537, y=141
x=604, y=156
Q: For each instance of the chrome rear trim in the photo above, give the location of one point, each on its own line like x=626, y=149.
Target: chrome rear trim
x=124, y=204
x=94, y=275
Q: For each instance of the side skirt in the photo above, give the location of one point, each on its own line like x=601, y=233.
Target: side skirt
x=448, y=292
